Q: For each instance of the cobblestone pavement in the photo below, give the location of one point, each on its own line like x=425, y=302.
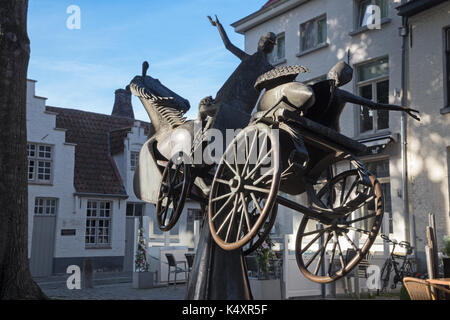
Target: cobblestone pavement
x=118, y=291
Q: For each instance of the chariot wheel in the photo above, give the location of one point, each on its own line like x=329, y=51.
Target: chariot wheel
x=345, y=234
x=262, y=233
x=245, y=187
x=173, y=190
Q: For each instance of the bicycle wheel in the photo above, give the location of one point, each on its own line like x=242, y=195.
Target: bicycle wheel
x=385, y=274
x=409, y=270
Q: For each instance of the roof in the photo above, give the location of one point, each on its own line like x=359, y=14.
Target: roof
x=414, y=7
x=268, y=3
x=269, y=10
x=97, y=138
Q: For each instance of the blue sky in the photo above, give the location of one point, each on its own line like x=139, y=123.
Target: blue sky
x=81, y=69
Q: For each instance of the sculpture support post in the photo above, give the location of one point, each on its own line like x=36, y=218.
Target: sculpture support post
x=217, y=274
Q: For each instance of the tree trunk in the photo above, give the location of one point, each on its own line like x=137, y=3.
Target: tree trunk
x=15, y=277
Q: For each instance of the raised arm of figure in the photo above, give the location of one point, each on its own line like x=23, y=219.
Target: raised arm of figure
x=350, y=97
x=230, y=47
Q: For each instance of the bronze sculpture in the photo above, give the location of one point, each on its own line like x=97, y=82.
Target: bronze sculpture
x=242, y=199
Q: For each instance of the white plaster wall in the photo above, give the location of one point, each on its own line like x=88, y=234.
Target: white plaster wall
x=41, y=129
x=75, y=246
x=429, y=139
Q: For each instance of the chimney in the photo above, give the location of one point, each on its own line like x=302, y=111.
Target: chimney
x=122, y=104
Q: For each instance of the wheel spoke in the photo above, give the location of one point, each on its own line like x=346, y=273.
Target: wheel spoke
x=351, y=242
x=247, y=219
x=179, y=185
x=256, y=202
x=259, y=164
x=348, y=223
x=316, y=271
x=223, y=181
x=341, y=255
x=231, y=220
x=231, y=168
x=224, y=205
x=316, y=231
x=270, y=171
x=351, y=190
x=240, y=226
x=249, y=152
x=315, y=255
x=236, y=166
x=320, y=233
x=257, y=189
x=330, y=267
x=343, y=185
x=221, y=197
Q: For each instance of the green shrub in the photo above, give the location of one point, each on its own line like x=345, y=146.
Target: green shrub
x=404, y=294
x=446, y=248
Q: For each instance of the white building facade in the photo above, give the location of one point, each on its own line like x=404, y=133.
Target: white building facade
x=80, y=190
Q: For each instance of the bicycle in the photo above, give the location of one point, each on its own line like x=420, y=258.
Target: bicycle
x=401, y=264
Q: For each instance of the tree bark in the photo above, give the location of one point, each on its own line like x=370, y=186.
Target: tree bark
x=15, y=277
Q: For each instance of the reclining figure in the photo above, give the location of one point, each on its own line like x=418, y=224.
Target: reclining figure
x=322, y=102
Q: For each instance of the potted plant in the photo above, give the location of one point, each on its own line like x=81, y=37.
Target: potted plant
x=142, y=277
x=446, y=259
x=265, y=286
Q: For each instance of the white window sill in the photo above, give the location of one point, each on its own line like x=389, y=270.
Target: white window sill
x=372, y=134
x=305, y=52
x=107, y=246
x=365, y=28
x=48, y=184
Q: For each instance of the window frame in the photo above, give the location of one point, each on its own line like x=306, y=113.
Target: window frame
x=134, y=209
x=446, y=73
x=136, y=160
x=36, y=158
x=373, y=82
x=358, y=14
x=316, y=45
x=97, y=218
x=274, y=59
x=44, y=206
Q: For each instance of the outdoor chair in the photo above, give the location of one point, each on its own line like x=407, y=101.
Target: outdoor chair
x=418, y=289
x=360, y=271
x=176, y=269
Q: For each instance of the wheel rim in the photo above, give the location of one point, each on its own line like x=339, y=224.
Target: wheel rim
x=172, y=193
x=335, y=240
x=244, y=188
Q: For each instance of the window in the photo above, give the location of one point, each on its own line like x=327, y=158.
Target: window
x=135, y=209
x=313, y=33
x=39, y=163
x=380, y=169
x=447, y=62
x=98, y=223
x=134, y=159
x=366, y=11
x=45, y=206
x=373, y=84
x=279, y=52
x=193, y=215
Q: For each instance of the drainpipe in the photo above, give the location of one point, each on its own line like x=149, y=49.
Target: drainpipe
x=404, y=33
